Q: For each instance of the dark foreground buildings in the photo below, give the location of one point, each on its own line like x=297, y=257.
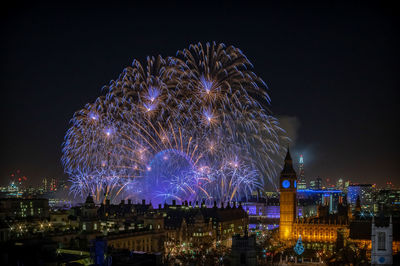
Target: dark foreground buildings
x=70, y=235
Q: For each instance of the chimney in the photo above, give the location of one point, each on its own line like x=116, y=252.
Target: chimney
x=159, y=206
x=197, y=204
x=143, y=201
x=129, y=201
x=190, y=203
x=222, y=204
x=215, y=204
x=122, y=202
x=173, y=202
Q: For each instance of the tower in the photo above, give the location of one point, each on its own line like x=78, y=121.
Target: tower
x=302, y=179
x=288, y=199
x=243, y=250
x=382, y=242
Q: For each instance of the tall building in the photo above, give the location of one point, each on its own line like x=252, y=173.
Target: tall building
x=362, y=191
x=288, y=198
x=340, y=184
x=302, y=184
x=44, y=184
x=316, y=184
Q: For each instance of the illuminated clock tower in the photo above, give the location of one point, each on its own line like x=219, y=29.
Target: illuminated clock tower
x=288, y=201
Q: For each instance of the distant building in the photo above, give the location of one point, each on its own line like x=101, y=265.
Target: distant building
x=309, y=199
x=387, y=200
x=20, y=208
x=302, y=183
x=364, y=192
x=316, y=184
x=340, y=184
x=196, y=224
x=49, y=184
x=263, y=213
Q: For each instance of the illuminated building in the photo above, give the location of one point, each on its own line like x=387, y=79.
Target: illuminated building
x=196, y=224
x=49, y=184
x=309, y=199
x=316, y=184
x=44, y=184
x=19, y=208
x=389, y=185
x=148, y=239
x=387, y=200
x=263, y=213
x=364, y=192
x=288, y=198
x=340, y=184
x=11, y=191
x=319, y=229
x=302, y=183
x=89, y=220
x=324, y=227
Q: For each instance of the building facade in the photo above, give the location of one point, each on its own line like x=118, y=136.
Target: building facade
x=381, y=243
x=302, y=184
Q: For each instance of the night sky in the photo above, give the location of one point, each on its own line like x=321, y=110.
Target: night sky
x=332, y=69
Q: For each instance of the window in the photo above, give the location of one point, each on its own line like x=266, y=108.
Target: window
x=381, y=241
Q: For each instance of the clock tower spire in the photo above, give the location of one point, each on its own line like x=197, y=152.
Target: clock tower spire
x=288, y=199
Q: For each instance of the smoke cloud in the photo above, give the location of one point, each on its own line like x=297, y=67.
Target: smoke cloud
x=291, y=125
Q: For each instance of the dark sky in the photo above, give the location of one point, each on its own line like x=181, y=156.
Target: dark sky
x=332, y=69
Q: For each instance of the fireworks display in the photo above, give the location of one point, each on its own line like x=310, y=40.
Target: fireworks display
x=190, y=127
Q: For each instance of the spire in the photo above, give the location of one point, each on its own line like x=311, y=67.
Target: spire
x=288, y=157
x=288, y=167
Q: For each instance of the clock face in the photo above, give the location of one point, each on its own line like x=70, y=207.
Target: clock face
x=381, y=260
x=285, y=183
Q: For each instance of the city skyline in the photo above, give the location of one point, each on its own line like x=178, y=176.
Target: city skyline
x=333, y=86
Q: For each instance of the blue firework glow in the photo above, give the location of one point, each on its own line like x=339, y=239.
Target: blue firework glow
x=190, y=127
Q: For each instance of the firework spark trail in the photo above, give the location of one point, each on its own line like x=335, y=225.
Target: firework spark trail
x=159, y=125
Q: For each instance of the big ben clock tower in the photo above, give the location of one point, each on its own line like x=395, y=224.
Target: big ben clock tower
x=288, y=201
